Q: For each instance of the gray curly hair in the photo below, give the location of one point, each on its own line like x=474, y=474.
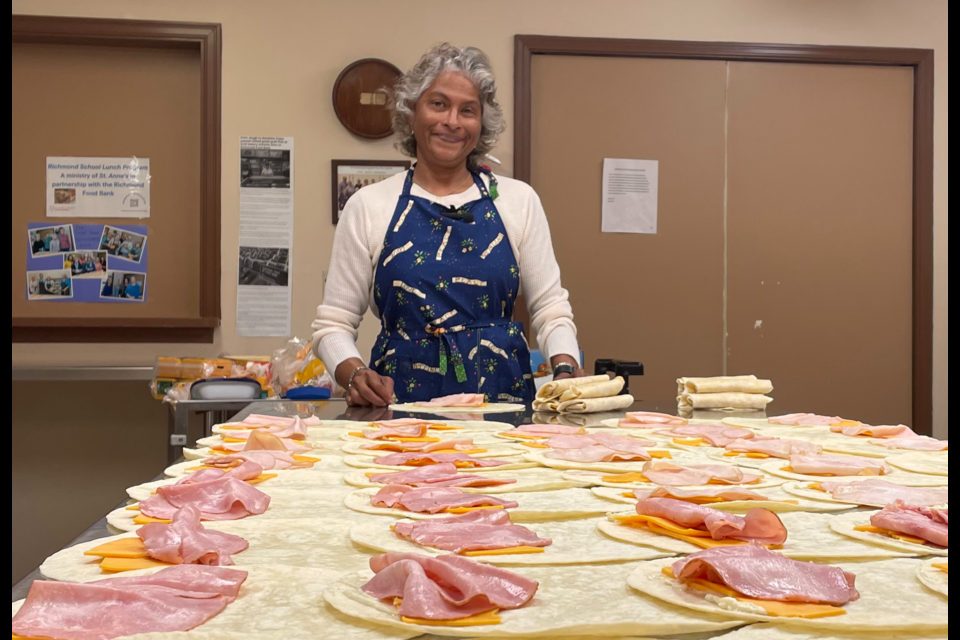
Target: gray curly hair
x=472, y=63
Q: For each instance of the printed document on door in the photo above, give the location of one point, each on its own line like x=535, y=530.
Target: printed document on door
x=629, y=196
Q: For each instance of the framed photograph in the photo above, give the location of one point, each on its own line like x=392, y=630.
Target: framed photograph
x=86, y=264
x=122, y=285
x=45, y=241
x=52, y=284
x=122, y=243
x=349, y=176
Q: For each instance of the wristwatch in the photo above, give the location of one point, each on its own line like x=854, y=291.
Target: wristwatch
x=563, y=367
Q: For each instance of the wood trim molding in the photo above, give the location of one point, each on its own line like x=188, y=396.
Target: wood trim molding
x=207, y=40
x=921, y=60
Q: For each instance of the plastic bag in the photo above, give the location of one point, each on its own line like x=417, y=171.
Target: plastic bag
x=295, y=365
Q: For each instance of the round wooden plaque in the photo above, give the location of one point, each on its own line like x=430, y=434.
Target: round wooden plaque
x=359, y=99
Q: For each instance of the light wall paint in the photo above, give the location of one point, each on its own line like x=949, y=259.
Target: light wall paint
x=280, y=60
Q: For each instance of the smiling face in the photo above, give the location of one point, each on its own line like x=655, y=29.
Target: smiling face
x=446, y=121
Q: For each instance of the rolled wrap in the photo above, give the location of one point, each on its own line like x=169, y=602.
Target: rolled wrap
x=724, y=384
x=731, y=401
x=593, y=405
x=603, y=389
x=555, y=388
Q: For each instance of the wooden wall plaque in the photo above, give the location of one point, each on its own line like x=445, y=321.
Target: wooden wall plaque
x=360, y=98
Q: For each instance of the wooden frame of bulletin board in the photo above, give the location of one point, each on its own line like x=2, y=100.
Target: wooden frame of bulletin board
x=920, y=61
x=200, y=309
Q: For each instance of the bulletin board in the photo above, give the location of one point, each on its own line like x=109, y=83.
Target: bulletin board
x=794, y=237
x=116, y=88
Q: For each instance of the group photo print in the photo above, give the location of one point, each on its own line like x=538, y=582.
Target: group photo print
x=52, y=284
x=122, y=243
x=49, y=240
x=124, y=285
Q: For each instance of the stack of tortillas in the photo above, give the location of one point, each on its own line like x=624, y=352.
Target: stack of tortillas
x=589, y=394
x=731, y=393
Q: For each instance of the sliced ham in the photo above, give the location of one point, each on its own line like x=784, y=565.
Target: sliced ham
x=178, y=598
x=650, y=419
x=186, y=541
x=257, y=420
x=460, y=444
x=295, y=430
x=717, y=435
x=401, y=422
x=921, y=522
x=221, y=499
x=881, y=492
x=252, y=444
x=273, y=460
x=418, y=430
x=774, y=447
x=547, y=430
x=701, y=495
x=472, y=531
x=455, y=400
x=433, y=499
x=756, y=572
x=437, y=475
x=880, y=431
x=246, y=470
x=920, y=443
x=669, y=474
x=627, y=444
x=415, y=458
x=810, y=419
x=597, y=453
x=838, y=465
x=758, y=524
x=447, y=587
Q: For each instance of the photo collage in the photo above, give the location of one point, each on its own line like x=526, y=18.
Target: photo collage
x=86, y=263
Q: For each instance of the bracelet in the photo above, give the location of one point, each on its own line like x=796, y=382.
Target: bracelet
x=564, y=367
x=353, y=374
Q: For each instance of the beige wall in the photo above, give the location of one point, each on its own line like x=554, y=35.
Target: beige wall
x=281, y=59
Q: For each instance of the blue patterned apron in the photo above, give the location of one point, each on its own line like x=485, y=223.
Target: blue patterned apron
x=445, y=289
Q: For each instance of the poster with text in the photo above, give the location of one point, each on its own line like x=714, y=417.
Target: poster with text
x=98, y=187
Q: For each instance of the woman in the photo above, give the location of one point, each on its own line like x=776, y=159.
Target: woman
x=65, y=244
x=440, y=250
x=37, y=246
x=107, y=291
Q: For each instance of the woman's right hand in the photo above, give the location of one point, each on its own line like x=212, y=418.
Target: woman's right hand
x=368, y=389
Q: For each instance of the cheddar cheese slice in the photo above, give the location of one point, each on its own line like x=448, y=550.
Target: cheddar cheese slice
x=116, y=565
x=890, y=534
x=690, y=442
x=489, y=617
x=536, y=445
x=508, y=551
x=942, y=566
x=467, y=509
x=121, y=548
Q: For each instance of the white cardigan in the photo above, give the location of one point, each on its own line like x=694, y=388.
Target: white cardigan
x=356, y=253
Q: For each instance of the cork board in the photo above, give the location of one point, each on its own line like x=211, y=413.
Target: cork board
x=108, y=101
x=655, y=298
x=820, y=237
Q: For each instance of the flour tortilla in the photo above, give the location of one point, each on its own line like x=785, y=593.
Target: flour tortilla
x=535, y=506
x=596, y=405
x=926, y=462
x=555, y=388
x=933, y=578
x=327, y=462
x=809, y=538
x=775, y=503
x=279, y=601
x=317, y=451
x=724, y=384
x=725, y=401
x=302, y=542
x=285, y=502
x=562, y=606
x=534, y=479
x=594, y=479
x=491, y=407
x=574, y=542
x=714, y=453
x=603, y=389
x=285, y=478
x=679, y=457
x=890, y=598
x=801, y=490
x=495, y=449
x=905, y=478
x=844, y=525
x=780, y=632
x=513, y=462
